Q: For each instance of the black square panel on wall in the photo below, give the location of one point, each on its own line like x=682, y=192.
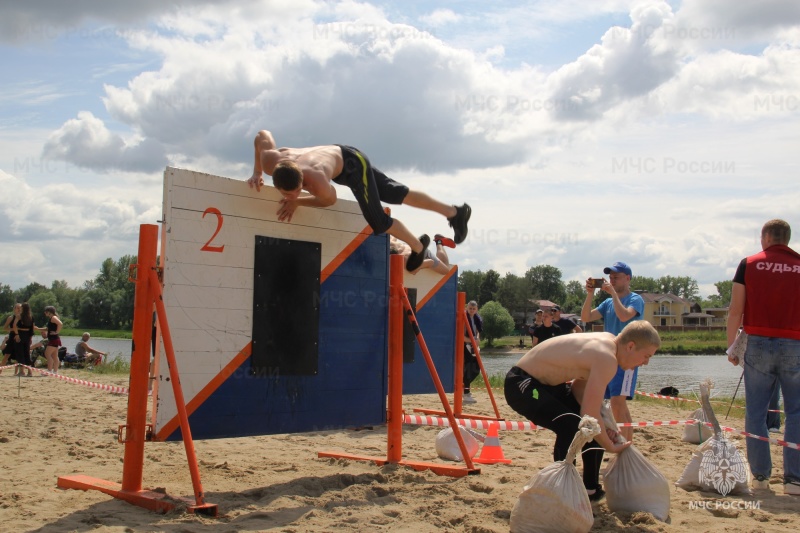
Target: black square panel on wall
x=286, y=285
x=409, y=338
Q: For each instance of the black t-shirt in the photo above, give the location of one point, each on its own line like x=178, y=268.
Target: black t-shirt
x=565, y=324
x=544, y=332
x=739, y=276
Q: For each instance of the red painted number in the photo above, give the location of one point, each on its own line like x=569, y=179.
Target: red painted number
x=207, y=246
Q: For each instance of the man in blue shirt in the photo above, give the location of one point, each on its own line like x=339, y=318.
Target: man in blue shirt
x=618, y=311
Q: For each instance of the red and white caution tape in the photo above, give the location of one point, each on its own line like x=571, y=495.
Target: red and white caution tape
x=8, y=366
x=662, y=397
x=779, y=442
x=654, y=423
x=109, y=388
x=421, y=420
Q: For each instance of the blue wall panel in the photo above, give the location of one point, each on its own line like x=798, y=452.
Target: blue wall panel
x=350, y=387
x=437, y=320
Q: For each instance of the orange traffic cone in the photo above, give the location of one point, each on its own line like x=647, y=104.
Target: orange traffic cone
x=492, y=452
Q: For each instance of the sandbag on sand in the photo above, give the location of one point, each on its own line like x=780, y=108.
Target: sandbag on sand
x=716, y=465
x=632, y=482
x=697, y=433
x=555, y=500
x=447, y=446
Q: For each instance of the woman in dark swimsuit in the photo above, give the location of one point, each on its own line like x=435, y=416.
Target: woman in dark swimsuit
x=53, y=340
x=23, y=329
x=8, y=350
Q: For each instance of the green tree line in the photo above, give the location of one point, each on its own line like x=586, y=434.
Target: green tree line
x=543, y=282
x=105, y=302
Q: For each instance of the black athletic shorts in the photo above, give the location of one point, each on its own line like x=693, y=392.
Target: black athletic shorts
x=370, y=186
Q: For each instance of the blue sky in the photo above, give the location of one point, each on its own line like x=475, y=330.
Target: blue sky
x=663, y=134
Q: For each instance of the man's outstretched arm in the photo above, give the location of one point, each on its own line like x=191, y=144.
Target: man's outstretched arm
x=264, y=142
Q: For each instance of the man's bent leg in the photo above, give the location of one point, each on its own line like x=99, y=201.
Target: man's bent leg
x=421, y=200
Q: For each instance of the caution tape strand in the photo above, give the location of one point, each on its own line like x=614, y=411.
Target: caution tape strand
x=108, y=388
x=426, y=420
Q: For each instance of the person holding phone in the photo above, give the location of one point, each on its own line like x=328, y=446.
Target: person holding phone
x=617, y=312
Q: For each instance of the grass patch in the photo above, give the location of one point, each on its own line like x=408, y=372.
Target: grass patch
x=116, y=366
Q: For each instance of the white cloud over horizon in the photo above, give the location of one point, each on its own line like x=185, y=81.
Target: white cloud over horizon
x=666, y=143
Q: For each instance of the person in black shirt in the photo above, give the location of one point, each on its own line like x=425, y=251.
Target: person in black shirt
x=547, y=330
x=566, y=325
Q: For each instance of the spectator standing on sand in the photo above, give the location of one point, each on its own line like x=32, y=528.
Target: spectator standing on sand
x=621, y=309
x=54, y=326
x=8, y=346
x=765, y=300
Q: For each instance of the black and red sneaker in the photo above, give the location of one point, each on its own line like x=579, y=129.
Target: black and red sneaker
x=444, y=241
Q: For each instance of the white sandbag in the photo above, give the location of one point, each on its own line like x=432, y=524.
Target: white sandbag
x=716, y=465
x=633, y=483
x=697, y=433
x=733, y=480
x=555, y=500
x=447, y=446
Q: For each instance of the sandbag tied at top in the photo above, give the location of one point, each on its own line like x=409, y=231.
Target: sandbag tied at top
x=555, y=500
x=716, y=465
x=632, y=482
x=699, y=432
x=447, y=446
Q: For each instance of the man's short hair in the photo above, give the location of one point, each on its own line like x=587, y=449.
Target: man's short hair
x=472, y=303
x=287, y=176
x=85, y=336
x=779, y=230
x=641, y=333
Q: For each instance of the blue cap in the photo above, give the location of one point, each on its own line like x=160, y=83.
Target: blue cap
x=619, y=266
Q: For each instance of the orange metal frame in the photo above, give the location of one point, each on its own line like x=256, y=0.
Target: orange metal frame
x=136, y=431
x=458, y=394
x=398, y=301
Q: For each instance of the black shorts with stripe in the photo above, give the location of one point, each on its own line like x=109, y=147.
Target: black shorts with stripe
x=370, y=186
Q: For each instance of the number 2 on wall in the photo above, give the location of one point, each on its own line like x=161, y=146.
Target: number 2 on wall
x=207, y=246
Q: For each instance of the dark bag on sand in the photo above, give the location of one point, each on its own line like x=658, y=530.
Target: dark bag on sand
x=62, y=353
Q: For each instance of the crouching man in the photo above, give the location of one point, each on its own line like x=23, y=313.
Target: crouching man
x=560, y=380
x=88, y=354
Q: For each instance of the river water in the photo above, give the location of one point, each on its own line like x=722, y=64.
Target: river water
x=683, y=372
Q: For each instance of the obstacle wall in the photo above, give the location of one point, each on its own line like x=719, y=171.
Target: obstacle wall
x=435, y=296
x=278, y=327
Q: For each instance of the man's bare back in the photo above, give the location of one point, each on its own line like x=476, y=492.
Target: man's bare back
x=325, y=159
x=319, y=165
x=569, y=357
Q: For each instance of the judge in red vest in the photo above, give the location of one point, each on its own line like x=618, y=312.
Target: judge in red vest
x=765, y=300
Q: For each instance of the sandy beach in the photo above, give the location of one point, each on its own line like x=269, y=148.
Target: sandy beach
x=50, y=428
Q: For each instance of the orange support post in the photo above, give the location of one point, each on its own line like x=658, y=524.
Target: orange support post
x=180, y=403
x=135, y=432
x=394, y=413
x=394, y=417
x=458, y=393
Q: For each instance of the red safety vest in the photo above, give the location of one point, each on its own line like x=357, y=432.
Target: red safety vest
x=772, y=300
